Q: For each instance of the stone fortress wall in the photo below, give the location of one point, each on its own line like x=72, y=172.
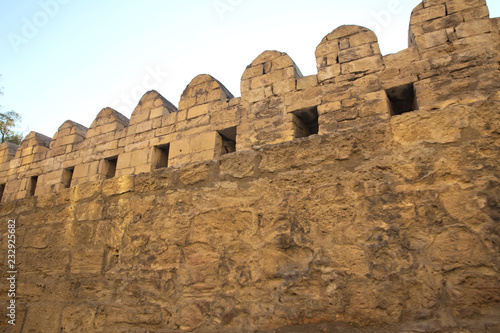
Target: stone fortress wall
x=355, y=85
x=197, y=212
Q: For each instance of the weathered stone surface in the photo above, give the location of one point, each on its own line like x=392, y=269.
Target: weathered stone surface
x=118, y=185
x=348, y=50
x=361, y=199
x=362, y=228
x=152, y=105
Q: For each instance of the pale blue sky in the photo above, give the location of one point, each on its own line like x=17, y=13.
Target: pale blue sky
x=68, y=59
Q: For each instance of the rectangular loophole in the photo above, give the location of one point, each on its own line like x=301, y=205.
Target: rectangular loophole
x=2, y=189
x=32, y=185
x=305, y=122
x=160, y=156
x=110, y=167
x=402, y=99
x=228, y=138
x=67, y=177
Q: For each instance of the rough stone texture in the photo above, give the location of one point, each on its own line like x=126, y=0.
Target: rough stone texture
x=231, y=214
x=383, y=226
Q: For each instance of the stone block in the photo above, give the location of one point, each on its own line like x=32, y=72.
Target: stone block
x=307, y=82
x=476, y=13
x=202, y=142
x=283, y=87
x=234, y=101
x=329, y=107
x=202, y=98
x=430, y=3
x=227, y=115
x=169, y=119
x=265, y=57
x=144, y=127
x=344, y=114
x=303, y=104
x=26, y=151
x=81, y=171
x=195, y=173
x=377, y=95
x=472, y=28
x=51, y=178
x=326, y=48
x=64, y=132
x=28, y=160
x=281, y=62
x=267, y=79
x=458, y=5
x=323, y=61
x=180, y=160
x=365, y=65
x=202, y=156
x=368, y=83
x=143, y=168
x=327, y=73
x=70, y=139
x=239, y=165
x=401, y=59
x=179, y=148
x=428, y=14
x=355, y=53
x=245, y=85
x=124, y=171
x=108, y=128
x=192, y=131
x=344, y=43
x=216, y=95
x=344, y=31
x=253, y=71
x=365, y=37
x=449, y=21
x=408, y=129
x=432, y=39
x=187, y=103
x=156, y=123
x=19, y=195
x=381, y=108
x=399, y=81
x=148, y=103
x=201, y=79
x=58, y=151
x=416, y=68
x=201, y=121
x=39, y=156
x=471, y=44
x=139, y=145
x=158, y=112
x=182, y=115
x=139, y=157
x=93, y=132
x=313, y=93
x=254, y=95
x=198, y=111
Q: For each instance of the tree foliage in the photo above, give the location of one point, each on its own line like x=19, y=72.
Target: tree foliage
x=8, y=122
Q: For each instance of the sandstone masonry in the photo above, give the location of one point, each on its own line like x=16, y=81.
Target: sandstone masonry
x=361, y=199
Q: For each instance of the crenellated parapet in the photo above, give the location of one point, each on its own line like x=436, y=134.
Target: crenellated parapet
x=453, y=58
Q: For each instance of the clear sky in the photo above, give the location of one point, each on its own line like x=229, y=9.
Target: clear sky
x=68, y=59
